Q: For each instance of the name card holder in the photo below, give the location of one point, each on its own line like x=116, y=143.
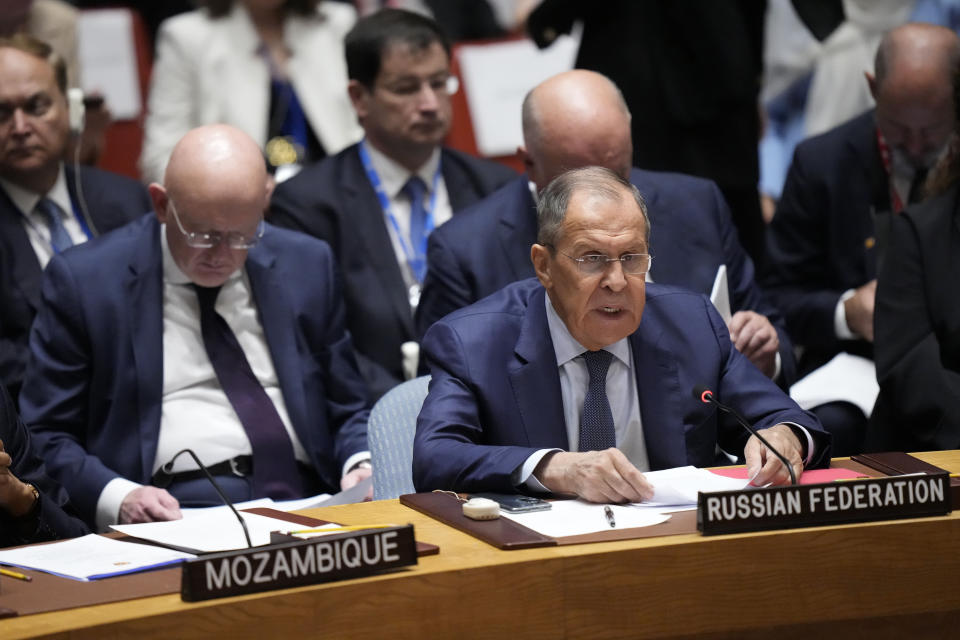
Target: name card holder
x=813, y=505
x=341, y=556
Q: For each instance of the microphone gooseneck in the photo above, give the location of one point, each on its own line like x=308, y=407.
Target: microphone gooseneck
x=168, y=468
x=705, y=395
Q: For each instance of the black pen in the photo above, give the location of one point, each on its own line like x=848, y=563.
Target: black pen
x=607, y=511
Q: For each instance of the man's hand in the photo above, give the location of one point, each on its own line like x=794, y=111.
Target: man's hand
x=754, y=336
x=597, y=476
x=859, y=310
x=356, y=476
x=765, y=467
x=16, y=497
x=149, y=504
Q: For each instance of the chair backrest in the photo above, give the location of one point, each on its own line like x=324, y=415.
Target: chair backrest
x=393, y=421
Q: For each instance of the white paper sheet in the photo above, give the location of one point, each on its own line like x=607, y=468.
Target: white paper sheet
x=577, y=517
x=847, y=377
x=679, y=487
x=90, y=557
x=108, y=59
x=720, y=295
x=216, y=530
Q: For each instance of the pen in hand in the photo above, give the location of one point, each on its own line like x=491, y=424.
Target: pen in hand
x=608, y=512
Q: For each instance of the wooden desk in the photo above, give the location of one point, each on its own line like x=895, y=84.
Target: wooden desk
x=888, y=579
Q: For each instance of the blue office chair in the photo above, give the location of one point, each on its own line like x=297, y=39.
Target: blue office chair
x=393, y=421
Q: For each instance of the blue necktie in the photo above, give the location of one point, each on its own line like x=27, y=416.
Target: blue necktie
x=53, y=215
x=275, y=472
x=596, y=421
x=415, y=189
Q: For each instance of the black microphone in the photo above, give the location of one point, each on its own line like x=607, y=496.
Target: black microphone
x=703, y=394
x=168, y=468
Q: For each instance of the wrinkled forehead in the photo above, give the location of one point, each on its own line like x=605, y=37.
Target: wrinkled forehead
x=604, y=216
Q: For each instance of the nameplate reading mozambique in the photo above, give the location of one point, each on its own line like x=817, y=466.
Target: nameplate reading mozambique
x=812, y=505
x=292, y=564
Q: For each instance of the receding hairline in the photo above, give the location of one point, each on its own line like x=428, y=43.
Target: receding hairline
x=898, y=45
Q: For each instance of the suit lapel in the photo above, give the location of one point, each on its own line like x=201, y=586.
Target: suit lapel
x=535, y=379
x=144, y=287
x=277, y=318
x=659, y=393
x=363, y=212
x=22, y=261
x=518, y=224
x=460, y=189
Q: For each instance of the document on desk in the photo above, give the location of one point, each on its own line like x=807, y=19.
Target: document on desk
x=577, y=517
x=215, y=530
x=678, y=487
x=91, y=557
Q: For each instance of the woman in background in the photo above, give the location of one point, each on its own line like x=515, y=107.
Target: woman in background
x=273, y=68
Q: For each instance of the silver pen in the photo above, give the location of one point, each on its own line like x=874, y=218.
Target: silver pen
x=607, y=511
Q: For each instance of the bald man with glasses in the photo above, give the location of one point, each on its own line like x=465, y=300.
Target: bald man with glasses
x=207, y=329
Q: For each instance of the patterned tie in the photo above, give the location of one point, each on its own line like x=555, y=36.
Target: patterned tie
x=596, y=422
x=415, y=190
x=275, y=472
x=53, y=216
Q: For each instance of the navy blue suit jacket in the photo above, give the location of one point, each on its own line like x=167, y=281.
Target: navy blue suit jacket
x=495, y=393
x=691, y=234
x=55, y=518
x=93, y=390
x=333, y=201
x=823, y=239
x=111, y=200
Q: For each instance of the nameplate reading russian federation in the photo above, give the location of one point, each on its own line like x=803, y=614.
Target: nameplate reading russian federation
x=292, y=564
x=812, y=505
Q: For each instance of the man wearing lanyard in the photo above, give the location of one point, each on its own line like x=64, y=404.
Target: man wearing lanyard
x=377, y=201
x=45, y=205
x=829, y=231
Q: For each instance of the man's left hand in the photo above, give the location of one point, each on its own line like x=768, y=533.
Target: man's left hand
x=764, y=467
x=16, y=497
x=354, y=477
x=754, y=336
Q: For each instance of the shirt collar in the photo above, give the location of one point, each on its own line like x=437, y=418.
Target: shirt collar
x=172, y=273
x=566, y=346
x=26, y=200
x=393, y=176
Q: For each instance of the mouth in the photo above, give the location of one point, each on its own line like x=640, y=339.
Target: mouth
x=610, y=310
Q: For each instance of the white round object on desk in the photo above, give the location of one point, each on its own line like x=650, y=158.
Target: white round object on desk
x=481, y=509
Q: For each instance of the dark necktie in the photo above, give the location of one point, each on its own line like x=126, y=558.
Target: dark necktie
x=596, y=421
x=53, y=216
x=916, y=186
x=415, y=189
x=275, y=472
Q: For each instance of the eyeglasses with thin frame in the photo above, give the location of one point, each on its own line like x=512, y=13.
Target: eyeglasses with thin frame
x=210, y=239
x=594, y=264
x=408, y=88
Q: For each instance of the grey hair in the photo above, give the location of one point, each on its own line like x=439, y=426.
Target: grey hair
x=555, y=199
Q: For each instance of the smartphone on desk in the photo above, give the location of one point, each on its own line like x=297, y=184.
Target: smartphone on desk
x=515, y=503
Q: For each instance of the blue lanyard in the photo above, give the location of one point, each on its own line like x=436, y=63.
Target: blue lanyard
x=409, y=251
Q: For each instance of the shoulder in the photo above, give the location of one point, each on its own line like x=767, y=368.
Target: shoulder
x=668, y=180
x=337, y=16
x=935, y=215
x=101, y=259
x=491, y=172
x=190, y=27
x=293, y=246
x=511, y=197
x=823, y=147
x=677, y=304
x=506, y=306
x=109, y=179
x=312, y=178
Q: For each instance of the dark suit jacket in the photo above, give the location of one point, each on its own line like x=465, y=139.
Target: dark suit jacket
x=333, y=201
x=488, y=246
x=54, y=519
x=112, y=201
x=917, y=339
x=495, y=393
x=93, y=391
x=823, y=239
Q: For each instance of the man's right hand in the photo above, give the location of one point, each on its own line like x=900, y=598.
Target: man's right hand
x=859, y=310
x=597, y=476
x=149, y=504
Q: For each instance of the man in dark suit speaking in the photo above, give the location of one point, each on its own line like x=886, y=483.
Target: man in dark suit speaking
x=201, y=332
x=46, y=206
x=376, y=202
x=578, y=119
x=557, y=386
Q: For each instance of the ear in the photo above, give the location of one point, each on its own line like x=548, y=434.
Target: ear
x=158, y=195
x=542, y=263
x=525, y=158
x=872, y=83
x=271, y=185
x=359, y=97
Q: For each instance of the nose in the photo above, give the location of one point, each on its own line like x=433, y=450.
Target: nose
x=19, y=121
x=427, y=99
x=915, y=144
x=614, y=278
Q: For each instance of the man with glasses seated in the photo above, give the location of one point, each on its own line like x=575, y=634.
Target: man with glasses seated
x=376, y=202
x=206, y=329
x=555, y=384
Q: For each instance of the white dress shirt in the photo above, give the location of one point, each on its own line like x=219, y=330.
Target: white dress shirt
x=392, y=178
x=35, y=223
